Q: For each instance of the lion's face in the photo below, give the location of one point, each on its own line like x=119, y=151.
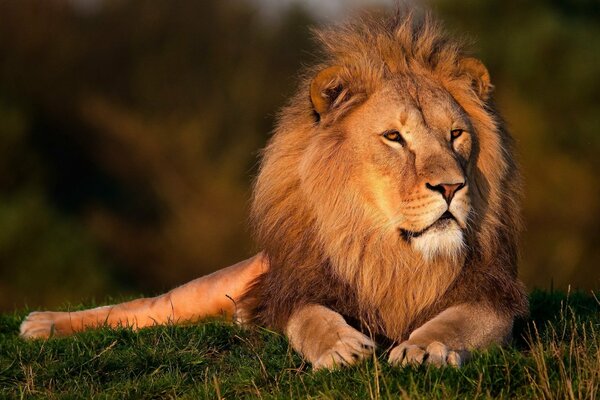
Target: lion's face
x=413, y=144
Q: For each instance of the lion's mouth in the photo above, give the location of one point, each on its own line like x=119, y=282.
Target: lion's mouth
x=443, y=220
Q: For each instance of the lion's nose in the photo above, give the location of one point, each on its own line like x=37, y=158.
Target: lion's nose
x=448, y=190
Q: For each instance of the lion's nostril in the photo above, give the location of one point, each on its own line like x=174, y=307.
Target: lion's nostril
x=447, y=190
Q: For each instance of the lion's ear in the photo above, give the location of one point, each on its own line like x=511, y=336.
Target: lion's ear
x=325, y=89
x=479, y=75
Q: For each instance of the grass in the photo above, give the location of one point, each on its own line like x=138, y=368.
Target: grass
x=556, y=354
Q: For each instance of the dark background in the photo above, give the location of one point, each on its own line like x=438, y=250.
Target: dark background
x=129, y=134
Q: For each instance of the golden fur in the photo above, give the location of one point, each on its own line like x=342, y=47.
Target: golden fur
x=210, y=295
x=319, y=221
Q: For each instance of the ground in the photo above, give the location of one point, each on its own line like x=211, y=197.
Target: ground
x=556, y=354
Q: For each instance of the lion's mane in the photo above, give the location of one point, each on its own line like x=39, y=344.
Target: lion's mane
x=319, y=236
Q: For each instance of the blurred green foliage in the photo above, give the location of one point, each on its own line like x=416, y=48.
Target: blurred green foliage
x=129, y=133
x=544, y=57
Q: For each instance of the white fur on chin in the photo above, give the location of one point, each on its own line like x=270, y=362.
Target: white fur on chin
x=447, y=242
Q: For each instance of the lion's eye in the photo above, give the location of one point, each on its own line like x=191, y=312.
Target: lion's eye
x=393, y=136
x=456, y=133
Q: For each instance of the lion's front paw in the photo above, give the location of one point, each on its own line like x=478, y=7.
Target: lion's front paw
x=435, y=353
x=42, y=324
x=350, y=347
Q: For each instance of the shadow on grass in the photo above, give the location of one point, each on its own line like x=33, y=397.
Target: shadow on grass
x=549, y=308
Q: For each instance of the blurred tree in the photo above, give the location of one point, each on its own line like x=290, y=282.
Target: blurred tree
x=544, y=58
x=146, y=119
x=42, y=251
x=130, y=130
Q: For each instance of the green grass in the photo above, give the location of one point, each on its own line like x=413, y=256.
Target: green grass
x=556, y=354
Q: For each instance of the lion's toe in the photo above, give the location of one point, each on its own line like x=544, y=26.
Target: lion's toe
x=407, y=354
x=457, y=358
x=435, y=353
x=349, y=349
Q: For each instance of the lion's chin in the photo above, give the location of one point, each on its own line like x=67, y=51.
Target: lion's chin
x=446, y=241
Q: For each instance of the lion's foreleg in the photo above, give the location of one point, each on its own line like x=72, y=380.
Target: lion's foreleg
x=324, y=338
x=451, y=335
x=210, y=295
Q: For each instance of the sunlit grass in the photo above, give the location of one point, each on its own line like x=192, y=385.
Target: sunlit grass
x=556, y=354
x=566, y=357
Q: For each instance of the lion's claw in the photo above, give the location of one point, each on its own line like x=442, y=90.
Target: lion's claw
x=351, y=347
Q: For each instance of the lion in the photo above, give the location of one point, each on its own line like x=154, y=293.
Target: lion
x=386, y=205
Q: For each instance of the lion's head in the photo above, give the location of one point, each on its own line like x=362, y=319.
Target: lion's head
x=390, y=167
x=405, y=154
